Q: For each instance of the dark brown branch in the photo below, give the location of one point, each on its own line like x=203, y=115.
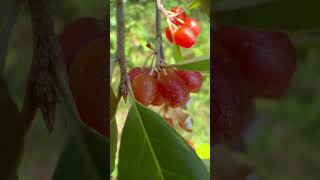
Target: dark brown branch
x=41, y=88
x=120, y=53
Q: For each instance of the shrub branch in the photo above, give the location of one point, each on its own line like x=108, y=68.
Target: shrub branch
x=120, y=52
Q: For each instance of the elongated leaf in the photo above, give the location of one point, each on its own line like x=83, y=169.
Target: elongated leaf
x=9, y=10
x=113, y=130
x=284, y=15
x=177, y=53
x=194, y=4
x=80, y=162
x=201, y=64
x=151, y=149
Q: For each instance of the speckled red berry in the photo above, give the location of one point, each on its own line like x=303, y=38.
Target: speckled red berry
x=193, y=80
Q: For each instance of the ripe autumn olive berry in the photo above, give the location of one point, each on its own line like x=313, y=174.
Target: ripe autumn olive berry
x=181, y=15
x=232, y=103
x=193, y=24
x=173, y=90
x=138, y=70
x=79, y=34
x=267, y=59
x=159, y=100
x=144, y=88
x=184, y=37
x=169, y=35
x=87, y=81
x=193, y=80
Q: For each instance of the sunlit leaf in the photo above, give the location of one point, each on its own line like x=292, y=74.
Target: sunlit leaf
x=194, y=4
x=201, y=64
x=113, y=130
x=203, y=150
x=151, y=149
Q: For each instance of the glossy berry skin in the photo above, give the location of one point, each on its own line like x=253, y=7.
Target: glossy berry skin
x=134, y=72
x=144, y=88
x=267, y=59
x=193, y=24
x=173, y=90
x=185, y=37
x=169, y=35
x=182, y=15
x=193, y=80
x=87, y=81
x=77, y=35
x=138, y=70
x=158, y=101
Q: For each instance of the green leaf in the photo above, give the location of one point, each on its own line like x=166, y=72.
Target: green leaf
x=201, y=64
x=151, y=149
x=177, y=53
x=113, y=130
x=203, y=150
x=194, y=4
x=305, y=40
x=284, y=15
x=9, y=11
x=84, y=160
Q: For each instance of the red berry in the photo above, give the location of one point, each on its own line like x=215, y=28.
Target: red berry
x=267, y=59
x=158, y=101
x=144, y=88
x=232, y=104
x=134, y=72
x=173, y=90
x=193, y=80
x=78, y=35
x=182, y=15
x=87, y=81
x=169, y=35
x=184, y=37
x=138, y=70
x=193, y=24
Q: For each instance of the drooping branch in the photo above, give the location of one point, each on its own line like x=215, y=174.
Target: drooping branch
x=120, y=52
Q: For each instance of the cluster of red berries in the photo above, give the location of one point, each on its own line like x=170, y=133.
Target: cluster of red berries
x=170, y=87
x=185, y=29
x=249, y=64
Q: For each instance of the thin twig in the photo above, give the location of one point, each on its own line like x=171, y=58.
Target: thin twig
x=120, y=53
